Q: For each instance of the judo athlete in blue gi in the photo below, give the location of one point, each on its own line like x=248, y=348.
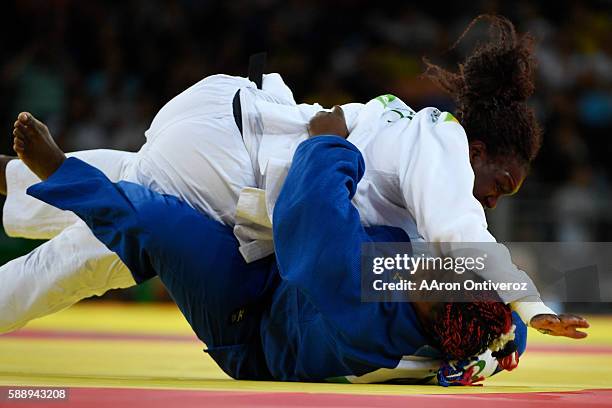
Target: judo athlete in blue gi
x=296, y=316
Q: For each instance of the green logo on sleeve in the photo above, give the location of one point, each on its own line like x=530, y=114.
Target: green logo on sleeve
x=450, y=118
x=386, y=99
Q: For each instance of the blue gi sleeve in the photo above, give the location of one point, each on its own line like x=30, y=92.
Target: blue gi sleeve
x=317, y=232
x=318, y=237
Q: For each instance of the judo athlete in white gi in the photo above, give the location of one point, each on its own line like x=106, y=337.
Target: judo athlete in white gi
x=420, y=176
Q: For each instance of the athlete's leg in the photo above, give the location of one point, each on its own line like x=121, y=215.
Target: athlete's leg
x=27, y=217
x=221, y=296
x=157, y=234
x=72, y=266
x=24, y=216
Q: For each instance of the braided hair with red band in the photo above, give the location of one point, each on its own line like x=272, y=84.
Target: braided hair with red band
x=463, y=329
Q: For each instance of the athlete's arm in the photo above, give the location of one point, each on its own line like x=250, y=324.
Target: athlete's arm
x=436, y=180
x=317, y=231
x=318, y=237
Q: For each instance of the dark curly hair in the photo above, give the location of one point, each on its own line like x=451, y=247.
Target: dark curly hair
x=491, y=88
x=466, y=329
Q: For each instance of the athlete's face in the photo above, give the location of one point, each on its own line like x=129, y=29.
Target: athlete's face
x=494, y=177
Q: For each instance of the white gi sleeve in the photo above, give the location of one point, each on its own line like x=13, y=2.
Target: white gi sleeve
x=436, y=180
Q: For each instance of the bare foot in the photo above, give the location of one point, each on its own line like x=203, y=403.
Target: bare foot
x=35, y=147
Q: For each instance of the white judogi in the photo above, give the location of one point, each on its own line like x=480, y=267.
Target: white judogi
x=418, y=177
x=193, y=151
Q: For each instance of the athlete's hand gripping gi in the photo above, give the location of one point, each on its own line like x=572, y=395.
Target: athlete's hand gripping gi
x=329, y=123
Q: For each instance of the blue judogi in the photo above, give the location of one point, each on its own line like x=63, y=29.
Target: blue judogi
x=298, y=317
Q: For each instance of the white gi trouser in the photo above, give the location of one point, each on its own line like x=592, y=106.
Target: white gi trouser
x=193, y=151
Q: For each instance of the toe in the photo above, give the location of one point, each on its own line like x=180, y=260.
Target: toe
x=22, y=130
x=34, y=123
x=18, y=133
x=18, y=145
x=24, y=118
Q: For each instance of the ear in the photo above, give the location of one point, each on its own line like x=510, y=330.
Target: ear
x=478, y=152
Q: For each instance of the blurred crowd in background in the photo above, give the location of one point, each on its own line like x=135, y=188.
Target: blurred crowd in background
x=97, y=72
